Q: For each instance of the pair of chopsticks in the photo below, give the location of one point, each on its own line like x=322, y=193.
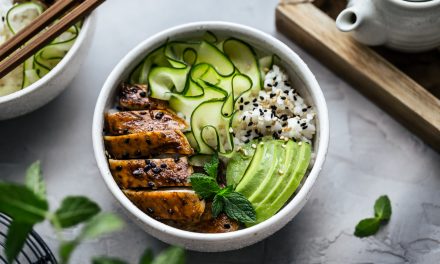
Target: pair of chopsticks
x=28, y=40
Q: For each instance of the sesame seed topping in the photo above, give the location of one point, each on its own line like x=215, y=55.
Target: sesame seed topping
x=254, y=146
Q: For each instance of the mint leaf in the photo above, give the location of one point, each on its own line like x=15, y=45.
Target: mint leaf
x=101, y=224
x=15, y=239
x=211, y=167
x=217, y=205
x=22, y=204
x=172, y=255
x=107, y=260
x=34, y=180
x=203, y=185
x=226, y=190
x=367, y=227
x=382, y=208
x=237, y=207
x=147, y=257
x=66, y=249
x=76, y=209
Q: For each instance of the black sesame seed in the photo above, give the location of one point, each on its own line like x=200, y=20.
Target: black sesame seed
x=246, y=141
x=241, y=107
x=156, y=170
x=304, y=109
x=261, y=98
x=163, y=165
x=255, y=99
x=233, y=134
x=309, y=107
x=286, y=91
x=269, y=85
x=244, y=117
x=284, y=125
x=256, y=105
x=268, y=126
x=275, y=84
x=271, y=95
x=265, y=110
x=250, y=123
x=283, y=98
x=147, y=168
x=143, y=94
x=305, y=127
x=159, y=115
x=274, y=78
x=286, y=83
x=273, y=107
x=294, y=97
x=241, y=100
x=119, y=168
x=246, y=103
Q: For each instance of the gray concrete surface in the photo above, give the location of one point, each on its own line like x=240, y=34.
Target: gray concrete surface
x=370, y=154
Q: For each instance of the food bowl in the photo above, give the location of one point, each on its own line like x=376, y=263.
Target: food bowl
x=52, y=84
x=301, y=78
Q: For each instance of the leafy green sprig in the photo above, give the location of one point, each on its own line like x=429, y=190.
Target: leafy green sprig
x=172, y=255
x=27, y=205
x=234, y=204
x=382, y=214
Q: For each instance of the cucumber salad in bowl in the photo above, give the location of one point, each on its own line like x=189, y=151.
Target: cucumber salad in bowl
x=209, y=135
x=15, y=15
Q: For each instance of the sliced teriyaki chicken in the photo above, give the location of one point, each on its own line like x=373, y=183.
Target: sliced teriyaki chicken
x=173, y=204
x=208, y=224
x=146, y=144
x=135, y=97
x=130, y=122
x=151, y=173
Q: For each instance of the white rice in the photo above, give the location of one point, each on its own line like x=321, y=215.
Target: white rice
x=278, y=110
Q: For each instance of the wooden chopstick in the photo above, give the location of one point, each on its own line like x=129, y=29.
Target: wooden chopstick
x=41, y=22
x=47, y=36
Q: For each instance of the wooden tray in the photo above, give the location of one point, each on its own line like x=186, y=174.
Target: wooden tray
x=407, y=86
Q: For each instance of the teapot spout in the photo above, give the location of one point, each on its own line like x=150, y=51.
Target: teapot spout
x=348, y=20
x=365, y=21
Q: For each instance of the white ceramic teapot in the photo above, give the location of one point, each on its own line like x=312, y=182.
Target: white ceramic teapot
x=404, y=25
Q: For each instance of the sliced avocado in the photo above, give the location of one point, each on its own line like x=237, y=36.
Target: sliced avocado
x=260, y=168
x=284, y=155
x=281, y=194
x=238, y=163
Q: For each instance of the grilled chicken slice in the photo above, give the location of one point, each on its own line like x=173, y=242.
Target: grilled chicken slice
x=151, y=173
x=174, y=204
x=207, y=224
x=130, y=122
x=134, y=97
x=146, y=144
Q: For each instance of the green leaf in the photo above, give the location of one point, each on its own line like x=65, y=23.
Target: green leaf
x=66, y=249
x=382, y=208
x=211, y=167
x=22, y=204
x=203, y=185
x=367, y=227
x=34, y=180
x=226, y=190
x=76, y=209
x=147, y=257
x=107, y=260
x=101, y=224
x=15, y=239
x=237, y=207
x=172, y=255
x=217, y=205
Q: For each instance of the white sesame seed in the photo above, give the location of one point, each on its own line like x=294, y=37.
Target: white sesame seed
x=280, y=171
x=254, y=146
x=231, y=130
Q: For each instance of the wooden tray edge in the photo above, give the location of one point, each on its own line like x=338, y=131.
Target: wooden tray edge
x=407, y=101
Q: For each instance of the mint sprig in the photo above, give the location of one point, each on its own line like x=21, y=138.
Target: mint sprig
x=27, y=205
x=234, y=204
x=382, y=214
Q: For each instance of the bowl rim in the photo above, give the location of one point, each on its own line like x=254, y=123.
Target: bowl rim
x=83, y=33
x=128, y=61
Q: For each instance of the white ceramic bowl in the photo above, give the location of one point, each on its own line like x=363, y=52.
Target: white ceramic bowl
x=52, y=84
x=302, y=79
